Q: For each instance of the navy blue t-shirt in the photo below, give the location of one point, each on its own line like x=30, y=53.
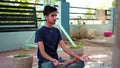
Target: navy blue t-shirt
x=50, y=38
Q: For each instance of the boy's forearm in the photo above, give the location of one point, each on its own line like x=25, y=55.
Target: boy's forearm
x=46, y=56
x=70, y=52
x=73, y=60
x=43, y=53
x=67, y=50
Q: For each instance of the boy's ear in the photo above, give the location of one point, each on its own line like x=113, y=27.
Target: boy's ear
x=45, y=16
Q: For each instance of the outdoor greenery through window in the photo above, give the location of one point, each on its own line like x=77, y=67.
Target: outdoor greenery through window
x=17, y=16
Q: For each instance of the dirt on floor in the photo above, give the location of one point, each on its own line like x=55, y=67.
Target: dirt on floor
x=99, y=52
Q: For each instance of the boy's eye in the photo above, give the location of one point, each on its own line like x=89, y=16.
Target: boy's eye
x=53, y=15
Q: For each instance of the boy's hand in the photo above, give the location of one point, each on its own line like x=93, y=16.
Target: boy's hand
x=85, y=58
x=57, y=63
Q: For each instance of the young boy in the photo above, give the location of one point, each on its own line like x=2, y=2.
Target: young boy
x=48, y=38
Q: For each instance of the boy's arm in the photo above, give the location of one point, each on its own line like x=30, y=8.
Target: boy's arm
x=67, y=50
x=73, y=60
x=46, y=56
x=70, y=52
x=43, y=53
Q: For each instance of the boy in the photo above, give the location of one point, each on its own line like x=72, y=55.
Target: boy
x=48, y=38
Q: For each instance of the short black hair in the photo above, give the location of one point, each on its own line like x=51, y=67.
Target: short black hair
x=48, y=9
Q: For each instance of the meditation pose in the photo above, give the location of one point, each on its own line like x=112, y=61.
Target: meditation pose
x=47, y=38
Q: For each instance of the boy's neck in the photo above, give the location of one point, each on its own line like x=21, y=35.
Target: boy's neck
x=49, y=25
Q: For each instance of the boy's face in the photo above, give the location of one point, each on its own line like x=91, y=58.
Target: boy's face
x=51, y=18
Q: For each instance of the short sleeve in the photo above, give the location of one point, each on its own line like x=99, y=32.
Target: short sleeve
x=38, y=36
x=59, y=35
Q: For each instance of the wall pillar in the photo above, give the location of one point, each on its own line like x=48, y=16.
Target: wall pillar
x=113, y=18
x=65, y=15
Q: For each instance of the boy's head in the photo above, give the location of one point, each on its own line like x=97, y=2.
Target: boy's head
x=50, y=14
x=49, y=9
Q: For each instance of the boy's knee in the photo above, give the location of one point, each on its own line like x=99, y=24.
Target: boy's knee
x=82, y=64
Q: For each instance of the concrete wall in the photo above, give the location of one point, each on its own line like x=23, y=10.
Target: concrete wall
x=14, y=40
x=99, y=28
